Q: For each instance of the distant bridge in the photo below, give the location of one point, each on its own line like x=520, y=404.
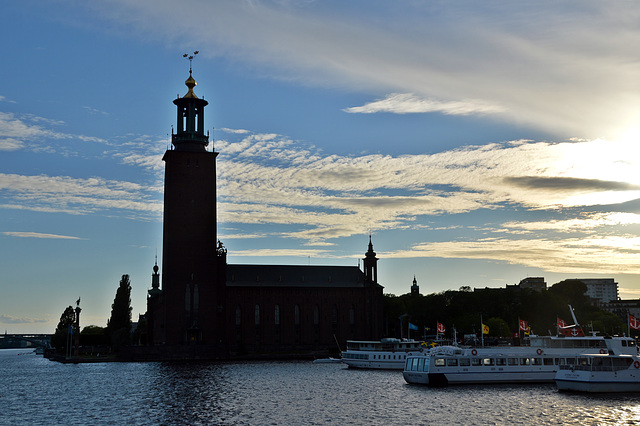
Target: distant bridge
x=10, y=341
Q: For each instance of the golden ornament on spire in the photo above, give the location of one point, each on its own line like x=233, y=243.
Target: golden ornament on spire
x=190, y=82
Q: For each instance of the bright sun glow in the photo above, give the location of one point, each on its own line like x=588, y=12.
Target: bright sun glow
x=611, y=162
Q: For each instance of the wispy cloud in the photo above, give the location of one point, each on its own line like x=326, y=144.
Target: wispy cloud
x=78, y=196
x=408, y=103
x=40, y=235
x=8, y=319
x=94, y=111
x=11, y=144
x=544, y=64
x=29, y=131
x=573, y=255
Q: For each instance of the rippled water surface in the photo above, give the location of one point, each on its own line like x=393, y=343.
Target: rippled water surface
x=34, y=390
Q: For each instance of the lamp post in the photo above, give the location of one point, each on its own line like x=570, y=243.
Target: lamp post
x=76, y=343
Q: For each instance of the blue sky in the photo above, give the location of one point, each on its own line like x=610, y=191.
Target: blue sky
x=479, y=143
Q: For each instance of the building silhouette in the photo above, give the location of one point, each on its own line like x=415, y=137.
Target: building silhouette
x=202, y=307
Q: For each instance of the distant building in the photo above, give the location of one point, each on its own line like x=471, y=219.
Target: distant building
x=603, y=290
x=415, y=289
x=622, y=308
x=533, y=283
x=530, y=283
x=207, y=308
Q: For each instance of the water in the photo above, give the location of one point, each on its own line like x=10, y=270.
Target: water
x=35, y=391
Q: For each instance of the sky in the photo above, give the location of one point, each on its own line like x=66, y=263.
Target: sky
x=478, y=143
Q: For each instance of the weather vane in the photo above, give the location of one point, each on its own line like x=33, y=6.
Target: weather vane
x=190, y=57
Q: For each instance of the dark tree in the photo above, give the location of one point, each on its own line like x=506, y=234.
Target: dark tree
x=93, y=335
x=119, y=324
x=60, y=336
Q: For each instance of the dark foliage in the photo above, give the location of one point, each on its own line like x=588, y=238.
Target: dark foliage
x=119, y=324
x=59, y=339
x=500, y=308
x=93, y=335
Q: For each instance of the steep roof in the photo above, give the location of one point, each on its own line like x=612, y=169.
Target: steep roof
x=294, y=276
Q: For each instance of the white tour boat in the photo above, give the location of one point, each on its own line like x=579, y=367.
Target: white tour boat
x=388, y=354
x=611, y=372
x=537, y=362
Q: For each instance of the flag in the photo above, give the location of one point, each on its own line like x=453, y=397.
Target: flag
x=565, y=329
x=413, y=327
x=577, y=332
x=524, y=326
x=634, y=322
x=485, y=329
x=441, y=328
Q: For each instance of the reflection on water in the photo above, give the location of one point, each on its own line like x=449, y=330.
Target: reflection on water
x=36, y=391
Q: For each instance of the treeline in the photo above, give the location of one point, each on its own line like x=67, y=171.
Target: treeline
x=116, y=334
x=500, y=309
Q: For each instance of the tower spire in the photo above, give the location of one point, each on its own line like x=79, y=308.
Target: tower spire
x=190, y=134
x=370, y=265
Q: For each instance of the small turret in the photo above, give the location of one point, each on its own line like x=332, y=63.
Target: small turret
x=155, y=281
x=370, y=265
x=414, y=287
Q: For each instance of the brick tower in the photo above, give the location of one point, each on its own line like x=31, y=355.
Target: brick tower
x=190, y=287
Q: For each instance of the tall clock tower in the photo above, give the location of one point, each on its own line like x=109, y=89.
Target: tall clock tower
x=190, y=287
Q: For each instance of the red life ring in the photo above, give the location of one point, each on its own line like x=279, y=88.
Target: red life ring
x=475, y=352
x=603, y=351
x=636, y=364
x=539, y=351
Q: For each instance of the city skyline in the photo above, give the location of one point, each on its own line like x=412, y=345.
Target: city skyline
x=477, y=144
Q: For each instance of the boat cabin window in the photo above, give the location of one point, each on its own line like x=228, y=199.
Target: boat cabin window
x=420, y=364
x=571, y=361
x=465, y=362
x=536, y=361
x=452, y=362
x=476, y=361
x=621, y=363
x=524, y=361
x=414, y=364
x=548, y=361
x=501, y=361
x=583, y=361
x=512, y=361
x=488, y=361
x=439, y=362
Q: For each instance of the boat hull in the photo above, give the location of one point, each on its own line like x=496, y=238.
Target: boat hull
x=598, y=382
x=471, y=378
x=449, y=365
x=386, y=354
